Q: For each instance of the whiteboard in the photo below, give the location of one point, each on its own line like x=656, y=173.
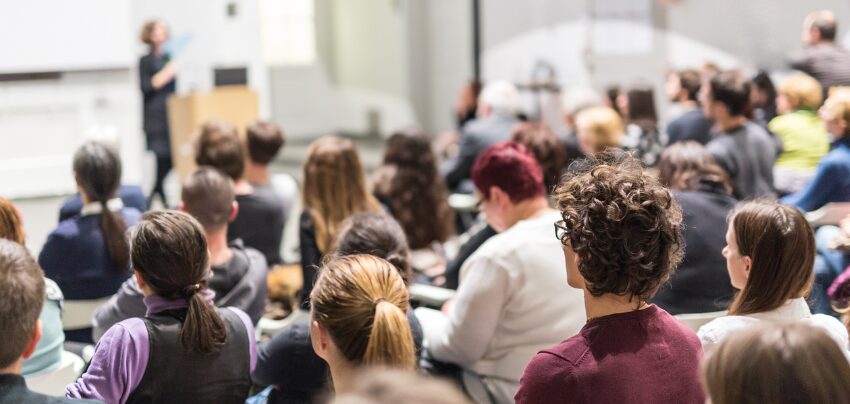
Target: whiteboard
x=59, y=35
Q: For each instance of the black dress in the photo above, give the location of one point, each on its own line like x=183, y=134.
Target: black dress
x=155, y=117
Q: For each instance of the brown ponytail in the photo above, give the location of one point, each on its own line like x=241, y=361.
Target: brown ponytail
x=169, y=250
x=362, y=301
x=98, y=173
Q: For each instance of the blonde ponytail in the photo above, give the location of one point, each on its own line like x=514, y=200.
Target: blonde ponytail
x=390, y=341
x=362, y=301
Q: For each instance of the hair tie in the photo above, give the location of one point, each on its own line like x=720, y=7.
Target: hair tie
x=377, y=301
x=191, y=289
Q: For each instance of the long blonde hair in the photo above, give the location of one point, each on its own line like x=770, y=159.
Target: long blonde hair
x=362, y=301
x=334, y=187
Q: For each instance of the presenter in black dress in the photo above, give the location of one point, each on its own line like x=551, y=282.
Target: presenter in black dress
x=158, y=81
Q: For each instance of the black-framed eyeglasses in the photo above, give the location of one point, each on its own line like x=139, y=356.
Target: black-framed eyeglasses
x=561, y=231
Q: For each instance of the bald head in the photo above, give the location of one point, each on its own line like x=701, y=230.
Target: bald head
x=819, y=27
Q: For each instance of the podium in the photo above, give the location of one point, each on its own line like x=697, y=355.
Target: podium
x=236, y=105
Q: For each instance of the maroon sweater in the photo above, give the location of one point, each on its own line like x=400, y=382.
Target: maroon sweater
x=643, y=356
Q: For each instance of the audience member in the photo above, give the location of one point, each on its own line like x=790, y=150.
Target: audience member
x=498, y=107
x=475, y=241
x=511, y=301
x=87, y=256
x=831, y=182
x=287, y=361
x=701, y=283
x=48, y=352
x=542, y=143
x=691, y=124
x=798, y=127
x=21, y=298
x=597, y=129
x=263, y=141
x=762, y=99
x=238, y=273
x=393, y=387
x=260, y=221
x=822, y=58
x=833, y=258
x=408, y=184
x=466, y=105
x=642, y=135
x=621, y=238
x=358, y=318
x=780, y=363
x=184, y=349
x=334, y=189
x=573, y=101
x=742, y=148
x=770, y=250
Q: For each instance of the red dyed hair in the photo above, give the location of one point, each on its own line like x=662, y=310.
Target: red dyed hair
x=511, y=168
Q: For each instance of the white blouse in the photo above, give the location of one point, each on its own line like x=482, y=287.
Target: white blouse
x=718, y=329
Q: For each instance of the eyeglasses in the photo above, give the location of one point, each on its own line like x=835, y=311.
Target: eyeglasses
x=561, y=231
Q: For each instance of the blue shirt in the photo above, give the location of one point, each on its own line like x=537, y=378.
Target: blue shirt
x=76, y=258
x=831, y=182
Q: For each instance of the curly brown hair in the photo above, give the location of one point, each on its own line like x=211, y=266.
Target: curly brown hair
x=623, y=225
x=408, y=183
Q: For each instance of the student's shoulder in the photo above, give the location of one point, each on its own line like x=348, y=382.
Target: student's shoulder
x=564, y=357
x=716, y=330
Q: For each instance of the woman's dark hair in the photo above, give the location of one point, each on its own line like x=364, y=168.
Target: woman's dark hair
x=97, y=170
x=685, y=166
x=415, y=193
x=375, y=234
x=169, y=250
x=624, y=226
x=611, y=94
x=641, y=111
x=549, y=152
x=781, y=244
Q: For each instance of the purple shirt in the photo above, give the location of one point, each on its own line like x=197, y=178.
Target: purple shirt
x=643, y=356
x=121, y=356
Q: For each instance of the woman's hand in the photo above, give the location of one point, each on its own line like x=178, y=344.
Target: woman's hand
x=164, y=76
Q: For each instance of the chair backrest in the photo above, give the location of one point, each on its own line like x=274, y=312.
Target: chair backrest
x=78, y=314
x=696, y=320
x=53, y=382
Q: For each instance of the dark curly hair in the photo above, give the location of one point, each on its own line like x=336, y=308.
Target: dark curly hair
x=408, y=183
x=623, y=225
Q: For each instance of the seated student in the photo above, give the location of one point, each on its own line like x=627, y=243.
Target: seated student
x=87, y=255
x=511, y=301
x=393, y=387
x=334, y=189
x=263, y=141
x=184, y=349
x=131, y=195
x=598, y=128
x=683, y=88
x=287, y=361
x=542, y=143
x=770, y=251
x=358, y=318
x=701, y=284
x=260, y=221
x=621, y=237
x=762, y=99
x=48, y=352
x=21, y=297
x=787, y=362
x=742, y=148
x=573, y=101
x=408, y=184
x=641, y=134
x=498, y=107
x=238, y=273
x=831, y=182
x=804, y=139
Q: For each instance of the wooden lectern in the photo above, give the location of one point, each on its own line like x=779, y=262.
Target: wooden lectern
x=236, y=105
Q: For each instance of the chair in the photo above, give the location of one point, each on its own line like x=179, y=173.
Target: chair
x=696, y=320
x=52, y=382
x=78, y=314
